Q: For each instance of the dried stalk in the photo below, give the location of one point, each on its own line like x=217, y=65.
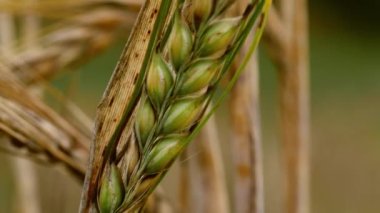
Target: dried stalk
x=27, y=200
x=246, y=143
x=25, y=172
x=184, y=183
x=211, y=188
x=246, y=140
x=293, y=67
x=25, y=175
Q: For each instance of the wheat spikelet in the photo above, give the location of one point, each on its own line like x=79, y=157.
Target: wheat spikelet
x=176, y=95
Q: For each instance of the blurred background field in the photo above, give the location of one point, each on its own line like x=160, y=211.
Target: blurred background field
x=345, y=103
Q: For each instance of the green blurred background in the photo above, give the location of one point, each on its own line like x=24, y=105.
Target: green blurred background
x=345, y=101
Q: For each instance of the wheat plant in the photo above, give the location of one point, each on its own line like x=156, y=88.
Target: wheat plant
x=195, y=48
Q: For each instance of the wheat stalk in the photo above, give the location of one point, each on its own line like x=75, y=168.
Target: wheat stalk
x=245, y=138
x=287, y=39
x=246, y=143
x=24, y=171
x=178, y=88
x=209, y=188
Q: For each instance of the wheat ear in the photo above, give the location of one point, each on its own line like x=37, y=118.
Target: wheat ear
x=182, y=77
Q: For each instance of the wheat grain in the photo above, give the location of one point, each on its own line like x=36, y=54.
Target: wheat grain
x=112, y=191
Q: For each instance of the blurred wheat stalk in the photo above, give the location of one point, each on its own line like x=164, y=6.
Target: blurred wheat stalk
x=50, y=137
